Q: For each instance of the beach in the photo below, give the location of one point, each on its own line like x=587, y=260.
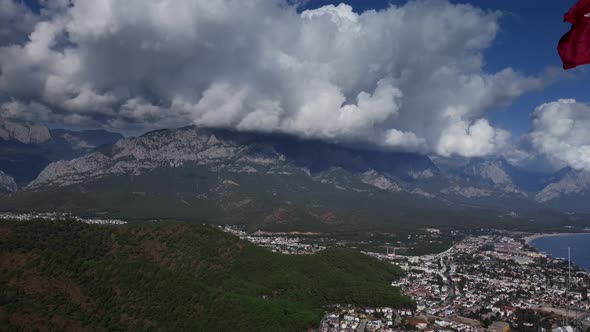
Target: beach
x=531, y=238
x=558, y=245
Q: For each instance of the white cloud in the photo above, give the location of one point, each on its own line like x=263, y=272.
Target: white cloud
x=408, y=77
x=474, y=139
x=325, y=113
x=560, y=133
x=32, y=112
x=408, y=140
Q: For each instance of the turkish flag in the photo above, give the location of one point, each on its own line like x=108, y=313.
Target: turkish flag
x=574, y=46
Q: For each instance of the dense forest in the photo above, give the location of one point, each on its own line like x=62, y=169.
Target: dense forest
x=74, y=276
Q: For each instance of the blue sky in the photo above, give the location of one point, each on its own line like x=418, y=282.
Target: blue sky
x=527, y=42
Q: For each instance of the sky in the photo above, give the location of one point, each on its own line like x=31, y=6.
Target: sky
x=527, y=42
x=449, y=78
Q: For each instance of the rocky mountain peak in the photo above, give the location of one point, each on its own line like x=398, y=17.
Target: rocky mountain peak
x=279, y=162
x=489, y=176
x=7, y=183
x=240, y=152
x=493, y=170
x=23, y=132
x=572, y=182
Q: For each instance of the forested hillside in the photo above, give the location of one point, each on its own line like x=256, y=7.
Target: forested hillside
x=73, y=276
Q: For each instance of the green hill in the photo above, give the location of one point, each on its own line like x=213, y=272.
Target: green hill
x=194, y=193
x=73, y=276
x=295, y=202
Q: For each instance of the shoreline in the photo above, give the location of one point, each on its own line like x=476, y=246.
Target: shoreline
x=529, y=239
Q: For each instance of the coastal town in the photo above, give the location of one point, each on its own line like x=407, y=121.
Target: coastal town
x=55, y=216
x=285, y=243
x=495, y=281
x=491, y=282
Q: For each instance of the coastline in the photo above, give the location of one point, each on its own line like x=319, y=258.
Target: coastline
x=529, y=239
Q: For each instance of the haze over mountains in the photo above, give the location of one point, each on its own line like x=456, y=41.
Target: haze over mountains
x=265, y=179
x=27, y=148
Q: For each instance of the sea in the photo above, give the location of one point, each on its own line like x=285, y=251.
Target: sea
x=556, y=246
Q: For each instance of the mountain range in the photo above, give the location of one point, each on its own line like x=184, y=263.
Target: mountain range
x=27, y=148
x=277, y=182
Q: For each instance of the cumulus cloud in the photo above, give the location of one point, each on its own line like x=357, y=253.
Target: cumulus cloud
x=406, y=77
x=32, y=112
x=471, y=139
x=560, y=133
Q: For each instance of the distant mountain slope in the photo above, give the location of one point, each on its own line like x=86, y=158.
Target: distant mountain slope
x=224, y=176
x=569, y=190
x=23, y=132
x=235, y=152
x=23, y=161
x=7, y=184
x=85, y=140
x=497, y=173
x=492, y=176
x=275, y=182
x=26, y=149
x=69, y=276
x=566, y=189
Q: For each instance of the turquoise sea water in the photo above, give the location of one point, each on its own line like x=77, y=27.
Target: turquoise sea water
x=556, y=246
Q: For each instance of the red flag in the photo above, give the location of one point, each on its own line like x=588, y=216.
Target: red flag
x=574, y=46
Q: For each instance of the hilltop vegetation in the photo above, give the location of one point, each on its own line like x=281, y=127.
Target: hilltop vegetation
x=261, y=201
x=276, y=202
x=73, y=276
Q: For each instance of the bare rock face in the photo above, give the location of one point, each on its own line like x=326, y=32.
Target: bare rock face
x=377, y=180
x=573, y=183
x=467, y=192
x=196, y=146
x=494, y=172
x=171, y=148
x=63, y=172
x=24, y=132
x=489, y=182
x=7, y=183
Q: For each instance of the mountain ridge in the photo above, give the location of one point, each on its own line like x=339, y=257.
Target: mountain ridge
x=27, y=148
x=24, y=132
x=278, y=179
